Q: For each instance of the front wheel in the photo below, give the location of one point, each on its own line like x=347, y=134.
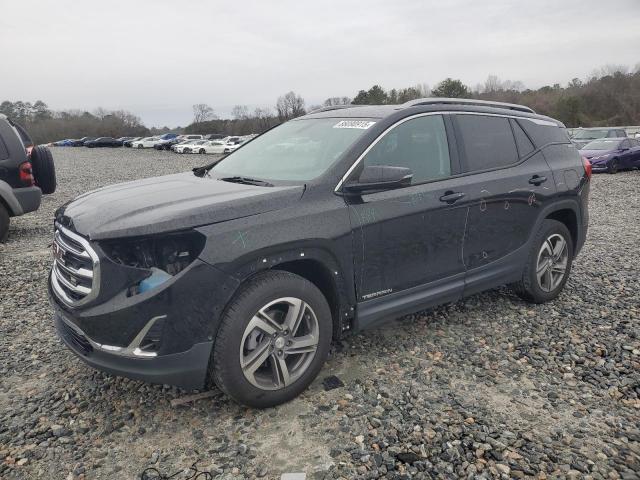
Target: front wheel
x=273, y=339
x=548, y=265
x=140, y=145
x=202, y=151
x=613, y=166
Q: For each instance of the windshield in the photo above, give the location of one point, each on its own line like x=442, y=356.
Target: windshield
x=296, y=150
x=590, y=134
x=602, y=145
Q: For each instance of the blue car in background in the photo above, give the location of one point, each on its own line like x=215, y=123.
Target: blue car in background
x=612, y=154
x=64, y=143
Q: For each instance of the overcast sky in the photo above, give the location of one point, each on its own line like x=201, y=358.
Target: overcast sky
x=157, y=58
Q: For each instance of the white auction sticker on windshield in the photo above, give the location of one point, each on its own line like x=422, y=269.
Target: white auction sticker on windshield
x=361, y=124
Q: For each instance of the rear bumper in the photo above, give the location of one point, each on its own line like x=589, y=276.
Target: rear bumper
x=187, y=369
x=29, y=198
x=20, y=200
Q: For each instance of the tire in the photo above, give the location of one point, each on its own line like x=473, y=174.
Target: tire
x=534, y=288
x=202, y=151
x=263, y=387
x=4, y=223
x=44, y=170
x=140, y=145
x=613, y=166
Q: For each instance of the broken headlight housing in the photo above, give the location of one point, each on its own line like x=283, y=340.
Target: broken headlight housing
x=162, y=255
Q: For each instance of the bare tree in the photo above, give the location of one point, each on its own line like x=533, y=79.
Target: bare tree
x=332, y=101
x=240, y=112
x=202, y=112
x=290, y=105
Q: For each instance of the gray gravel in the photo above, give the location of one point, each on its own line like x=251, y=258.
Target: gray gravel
x=487, y=388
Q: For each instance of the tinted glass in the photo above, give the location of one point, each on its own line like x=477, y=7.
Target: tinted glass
x=419, y=144
x=4, y=152
x=296, y=150
x=525, y=147
x=488, y=142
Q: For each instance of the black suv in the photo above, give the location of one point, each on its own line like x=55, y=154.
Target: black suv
x=240, y=273
x=26, y=172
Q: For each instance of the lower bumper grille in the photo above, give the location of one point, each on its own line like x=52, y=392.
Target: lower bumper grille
x=76, y=338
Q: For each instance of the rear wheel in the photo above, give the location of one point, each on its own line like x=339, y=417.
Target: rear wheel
x=4, y=223
x=613, y=166
x=548, y=265
x=273, y=340
x=44, y=170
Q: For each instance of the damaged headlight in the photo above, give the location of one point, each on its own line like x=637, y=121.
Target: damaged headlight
x=162, y=255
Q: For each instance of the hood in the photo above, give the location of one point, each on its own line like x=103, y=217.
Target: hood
x=171, y=202
x=581, y=143
x=589, y=154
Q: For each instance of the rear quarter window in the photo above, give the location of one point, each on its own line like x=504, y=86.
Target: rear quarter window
x=543, y=134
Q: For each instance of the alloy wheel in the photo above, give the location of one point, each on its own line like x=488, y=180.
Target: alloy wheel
x=553, y=259
x=279, y=343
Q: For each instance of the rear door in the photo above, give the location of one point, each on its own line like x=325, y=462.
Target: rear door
x=506, y=185
x=408, y=238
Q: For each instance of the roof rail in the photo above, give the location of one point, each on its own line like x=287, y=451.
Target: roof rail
x=334, y=107
x=464, y=101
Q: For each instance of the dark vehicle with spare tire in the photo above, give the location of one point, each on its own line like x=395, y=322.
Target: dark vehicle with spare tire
x=242, y=272
x=26, y=172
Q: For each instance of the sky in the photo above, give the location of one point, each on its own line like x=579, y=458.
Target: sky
x=157, y=58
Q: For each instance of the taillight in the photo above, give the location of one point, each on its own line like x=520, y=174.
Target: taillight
x=587, y=167
x=26, y=174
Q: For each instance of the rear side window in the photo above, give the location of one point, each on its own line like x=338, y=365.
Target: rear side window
x=4, y=151
x=419, y=144
x=487, y=141
x=525, y=147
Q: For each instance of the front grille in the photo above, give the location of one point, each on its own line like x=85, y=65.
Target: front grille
x=75, y=271
x=76, y=338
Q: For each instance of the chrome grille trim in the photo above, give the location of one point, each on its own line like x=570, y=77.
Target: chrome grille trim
x=75, y=274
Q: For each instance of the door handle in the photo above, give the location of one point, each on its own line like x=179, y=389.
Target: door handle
x=451, y=197
x=537, y=180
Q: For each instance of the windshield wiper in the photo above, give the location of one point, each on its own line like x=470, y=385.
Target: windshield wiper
x=247, y=181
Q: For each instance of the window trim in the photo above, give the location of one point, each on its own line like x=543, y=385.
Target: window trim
x=451, y=126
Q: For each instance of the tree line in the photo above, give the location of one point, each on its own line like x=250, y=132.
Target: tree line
x=610, y=96
x=45, y=125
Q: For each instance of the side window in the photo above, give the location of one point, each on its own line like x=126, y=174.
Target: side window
x=622, y=133
x=625, y=144
x=525, y=147
x=4, y=152
x=487, y=141
x=419, y=144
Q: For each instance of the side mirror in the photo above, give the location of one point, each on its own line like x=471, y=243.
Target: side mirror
x=380, y=177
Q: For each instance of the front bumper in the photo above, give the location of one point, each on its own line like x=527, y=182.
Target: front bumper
x=187, y=369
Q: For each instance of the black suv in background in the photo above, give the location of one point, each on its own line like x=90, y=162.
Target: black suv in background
x=26, y=172
x=241, y=272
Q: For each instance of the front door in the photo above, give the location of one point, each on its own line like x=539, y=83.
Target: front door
x=408, y=238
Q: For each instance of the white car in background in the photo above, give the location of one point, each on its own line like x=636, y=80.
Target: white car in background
x=190, y=137
x=234, y=145
x=212, y=146
x=190, y=146
x=147, y=142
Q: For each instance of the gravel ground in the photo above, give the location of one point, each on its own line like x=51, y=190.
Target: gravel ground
x=486, y=388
